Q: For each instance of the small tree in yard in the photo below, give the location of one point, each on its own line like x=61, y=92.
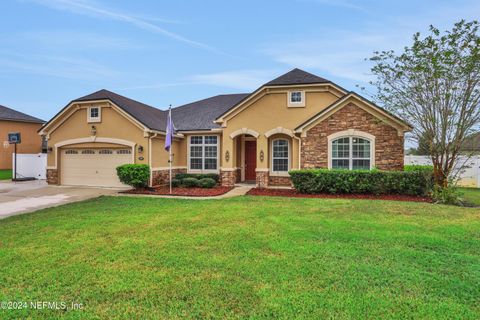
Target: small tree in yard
x=435, y=85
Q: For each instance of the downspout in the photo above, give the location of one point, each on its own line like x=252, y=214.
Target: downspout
x=150, y=158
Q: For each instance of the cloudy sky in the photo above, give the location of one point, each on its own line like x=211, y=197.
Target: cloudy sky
x=175, y=52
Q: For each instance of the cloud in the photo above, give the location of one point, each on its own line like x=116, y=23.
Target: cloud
x=55, y=66
x=93, y=10
x=242, y=79
x=343, y=4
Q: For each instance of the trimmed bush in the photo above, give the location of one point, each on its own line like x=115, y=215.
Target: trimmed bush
x=176, y=183
x=135, y=175
x=190, y=182
x=198, y=176
x=417, y=167
x=206, y=183
x=416, y=182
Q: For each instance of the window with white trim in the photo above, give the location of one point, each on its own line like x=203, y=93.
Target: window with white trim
x=280, y=155
x=351, y=153
x=203, y=153
x=94, y=114
x=296, y=98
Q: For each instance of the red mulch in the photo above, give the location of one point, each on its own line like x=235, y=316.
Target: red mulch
x=295, y=194
x=190, y=192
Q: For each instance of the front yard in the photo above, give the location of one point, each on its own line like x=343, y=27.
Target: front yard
x=5, y=174
x=256, y=257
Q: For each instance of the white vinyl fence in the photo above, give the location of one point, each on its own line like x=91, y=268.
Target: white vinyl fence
x=467, y=170
x=31, y=165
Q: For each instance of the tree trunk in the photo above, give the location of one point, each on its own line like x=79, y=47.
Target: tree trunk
x=439, y=176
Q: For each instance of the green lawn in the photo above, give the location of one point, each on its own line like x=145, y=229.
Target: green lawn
x=244, y=257
x=5, y=174
x=471, y=195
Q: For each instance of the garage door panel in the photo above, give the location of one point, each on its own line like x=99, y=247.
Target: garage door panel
x=92, y=167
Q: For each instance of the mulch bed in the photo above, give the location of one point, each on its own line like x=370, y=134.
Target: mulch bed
x=295, y=194
x=190, y=192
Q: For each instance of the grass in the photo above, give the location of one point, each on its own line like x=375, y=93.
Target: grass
x=471, y=195
x=5, y=174
x=244, y=257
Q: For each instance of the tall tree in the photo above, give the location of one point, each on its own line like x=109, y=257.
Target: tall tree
x=435, y=85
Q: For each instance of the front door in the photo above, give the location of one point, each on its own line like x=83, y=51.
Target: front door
x=250, y=160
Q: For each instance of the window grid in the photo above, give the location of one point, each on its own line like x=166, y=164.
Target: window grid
x=94, y=112
x=296, y=97
x=351, y=153
x=280, y=155
x=204, y=153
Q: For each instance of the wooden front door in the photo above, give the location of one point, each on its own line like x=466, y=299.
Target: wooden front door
x=250, y=160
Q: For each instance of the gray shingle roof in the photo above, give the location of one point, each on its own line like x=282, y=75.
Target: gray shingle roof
x=13, y=115
x=198, y=115
x=296, y=76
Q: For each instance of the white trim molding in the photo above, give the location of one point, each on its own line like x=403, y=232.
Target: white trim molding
x=96, y=119
x=351, y=133
x=279, y=130
x=244, y=131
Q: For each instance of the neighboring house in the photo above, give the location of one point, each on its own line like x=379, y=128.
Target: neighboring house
x=297, y=120
x=15, y=121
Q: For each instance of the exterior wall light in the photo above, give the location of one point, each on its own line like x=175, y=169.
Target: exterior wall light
x=262, y=156
x=140, y=149
x=227, y=156
x=94, y=131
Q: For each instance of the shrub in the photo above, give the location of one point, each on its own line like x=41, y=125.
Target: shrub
x=176, y=183
x=206, y=183
x=135, y=175
x=362, y=181
x=190, y=182
x=198, y=176
x=449, y=195
x=417, y=167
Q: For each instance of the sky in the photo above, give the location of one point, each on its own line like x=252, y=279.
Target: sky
x=176, y=52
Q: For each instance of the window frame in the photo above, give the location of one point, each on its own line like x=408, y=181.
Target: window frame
x=293, y=104
x=203, y=145
x=91, y=119
x=351, y=134
x=289, y=158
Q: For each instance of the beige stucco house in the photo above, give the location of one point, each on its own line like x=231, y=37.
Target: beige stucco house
x=298, y=120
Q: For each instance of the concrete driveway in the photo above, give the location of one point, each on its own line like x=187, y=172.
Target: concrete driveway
x=22, y=197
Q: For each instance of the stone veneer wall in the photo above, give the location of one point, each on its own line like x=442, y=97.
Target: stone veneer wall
x=262, y=179
x=238, y=176
x=52, y=176
x=279, y=181
x=388, y=144
x=228, y=178
x=162, y=177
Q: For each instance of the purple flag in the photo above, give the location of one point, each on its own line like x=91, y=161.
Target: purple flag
x=169, y=131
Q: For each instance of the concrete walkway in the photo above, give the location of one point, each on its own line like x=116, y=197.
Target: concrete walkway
x=239, y=190
x=22, y=197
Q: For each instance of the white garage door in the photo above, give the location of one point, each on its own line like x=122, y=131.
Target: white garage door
x=93, y=167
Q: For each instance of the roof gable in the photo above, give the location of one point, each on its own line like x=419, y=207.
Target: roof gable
x=13, y=115
x=295, y=77
x=367, y=105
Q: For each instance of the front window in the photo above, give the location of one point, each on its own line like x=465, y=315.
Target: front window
x=203, y=153
x=280, y=155
x=94, y=114
x=351, y=153
x=296, y=97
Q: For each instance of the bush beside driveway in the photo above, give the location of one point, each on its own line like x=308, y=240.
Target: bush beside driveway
x=259, y=257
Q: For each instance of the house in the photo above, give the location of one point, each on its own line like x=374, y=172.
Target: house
x=15, y=121
x=298, y=120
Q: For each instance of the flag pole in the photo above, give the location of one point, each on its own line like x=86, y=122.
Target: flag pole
x=170, y=149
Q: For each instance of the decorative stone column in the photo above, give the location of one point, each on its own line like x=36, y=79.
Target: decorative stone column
x=162, y=177
x=52, y=176
x=262, y=178
x=228, y=177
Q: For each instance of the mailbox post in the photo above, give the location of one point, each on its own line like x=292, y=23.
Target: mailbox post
x=15, y=138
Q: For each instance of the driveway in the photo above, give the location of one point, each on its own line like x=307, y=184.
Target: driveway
x=22, y=197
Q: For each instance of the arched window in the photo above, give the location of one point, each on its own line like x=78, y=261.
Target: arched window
x=280, y=155
x=351, y=153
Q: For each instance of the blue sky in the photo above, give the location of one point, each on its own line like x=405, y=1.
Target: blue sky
x=175, y=52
